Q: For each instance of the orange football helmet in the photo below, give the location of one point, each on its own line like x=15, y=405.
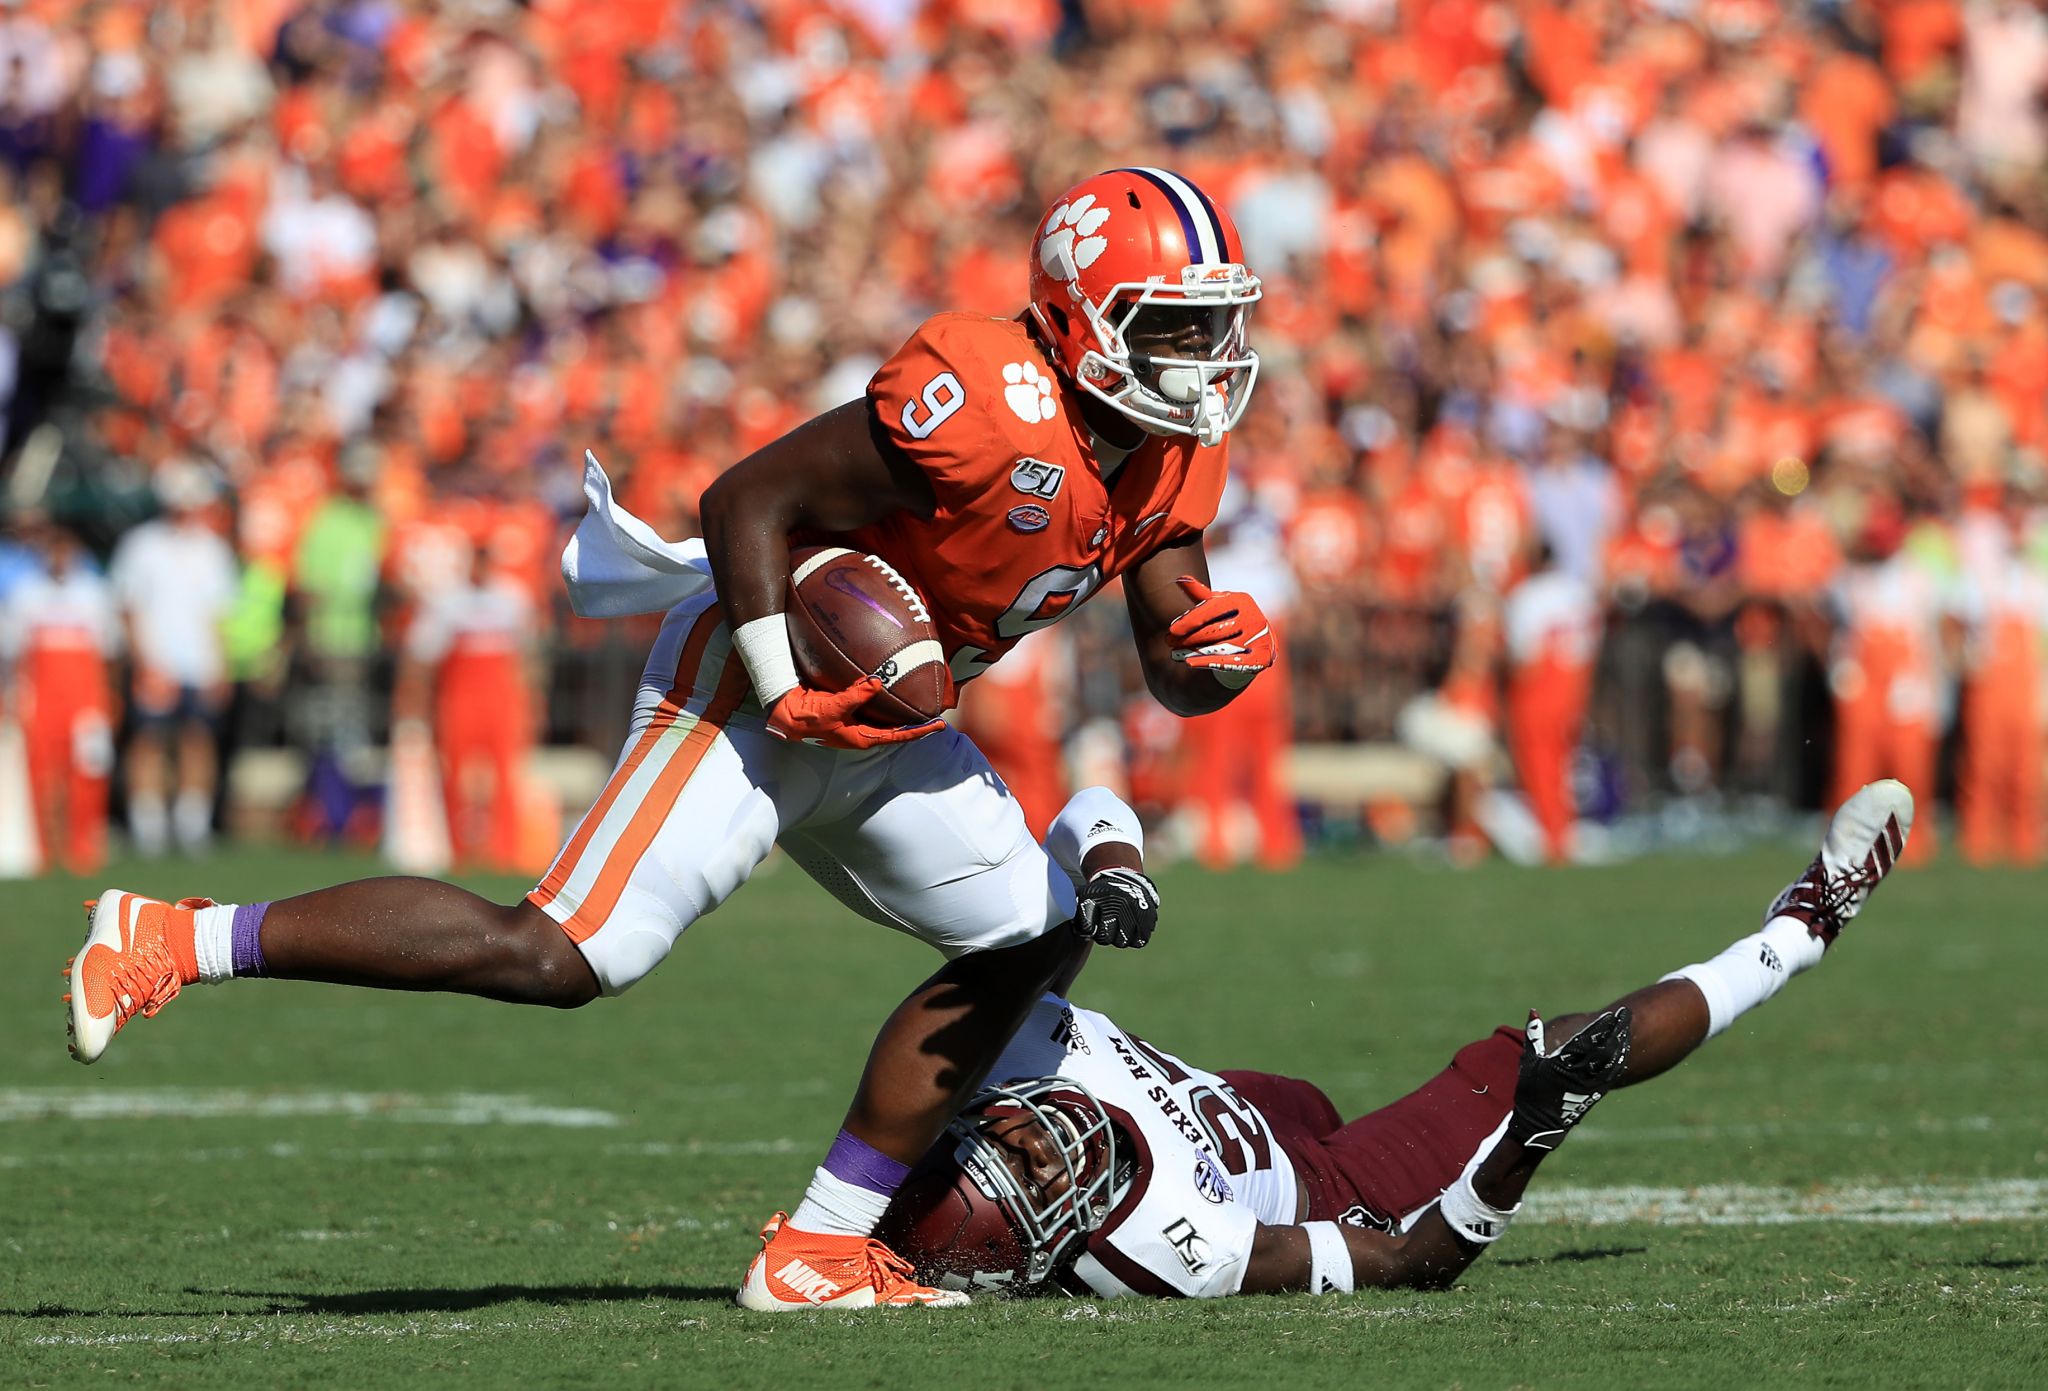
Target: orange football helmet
x=1139, y=287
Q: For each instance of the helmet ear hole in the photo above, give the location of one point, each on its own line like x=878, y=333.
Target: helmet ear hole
x=1059, y=317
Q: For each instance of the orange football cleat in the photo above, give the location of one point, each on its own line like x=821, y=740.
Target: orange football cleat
x=138, y=955
x=811, y=1270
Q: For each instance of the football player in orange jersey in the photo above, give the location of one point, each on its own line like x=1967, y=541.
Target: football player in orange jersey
x=1009, y=468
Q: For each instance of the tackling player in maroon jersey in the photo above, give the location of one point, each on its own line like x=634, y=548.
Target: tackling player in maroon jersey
x=1100, y=1164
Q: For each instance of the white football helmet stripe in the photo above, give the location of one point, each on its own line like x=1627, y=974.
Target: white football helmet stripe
x=1197, y=215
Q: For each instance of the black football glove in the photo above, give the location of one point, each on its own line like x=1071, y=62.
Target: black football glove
x=1119, y=908
x=1556, y=1090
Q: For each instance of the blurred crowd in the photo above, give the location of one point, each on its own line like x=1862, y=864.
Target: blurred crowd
x=1670, y=373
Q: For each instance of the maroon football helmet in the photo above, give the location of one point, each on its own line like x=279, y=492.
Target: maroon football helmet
x=967, y=1219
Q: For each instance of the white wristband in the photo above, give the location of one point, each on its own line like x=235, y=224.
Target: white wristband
x=1471, y=1216
x=763, y=644
x=1329, y=1259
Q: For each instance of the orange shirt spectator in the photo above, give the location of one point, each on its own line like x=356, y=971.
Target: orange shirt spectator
x=1847, y=102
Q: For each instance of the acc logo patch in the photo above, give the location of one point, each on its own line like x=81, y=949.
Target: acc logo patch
x=1209, y=1181
x=1029, y=518
x=1038, y=478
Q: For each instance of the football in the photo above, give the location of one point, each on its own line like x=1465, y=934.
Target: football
x=852, y=615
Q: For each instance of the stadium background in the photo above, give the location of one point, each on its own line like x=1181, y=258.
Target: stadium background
x=1724, y=304
x=1732, y=311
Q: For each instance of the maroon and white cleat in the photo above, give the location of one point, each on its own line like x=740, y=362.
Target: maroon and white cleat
x=1863, y=842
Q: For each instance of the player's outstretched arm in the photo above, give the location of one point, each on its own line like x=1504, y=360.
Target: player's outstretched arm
x=1329, y=1258
x=829, y=474
x=1555, y=1090
x=1198, y=648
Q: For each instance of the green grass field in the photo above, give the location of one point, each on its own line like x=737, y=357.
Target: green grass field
x=275, y=1185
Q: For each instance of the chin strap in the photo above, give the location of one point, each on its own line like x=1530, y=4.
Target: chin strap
x=1212, y=421
x=1184, y=386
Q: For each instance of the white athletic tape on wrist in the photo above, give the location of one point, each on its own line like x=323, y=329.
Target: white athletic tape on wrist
x=1471, y=1216
x=1329, y=1259
x=763, y=645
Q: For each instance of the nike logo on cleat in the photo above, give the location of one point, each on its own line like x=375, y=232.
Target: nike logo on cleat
x=806, y=1282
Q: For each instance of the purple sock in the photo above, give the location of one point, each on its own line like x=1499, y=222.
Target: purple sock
x=249, y=939
x=855, y=1161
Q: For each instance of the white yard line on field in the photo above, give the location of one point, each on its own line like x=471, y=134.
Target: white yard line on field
x=1746, y=1205
x=1623, y=1134
x=266, y=1329
x=216, y=1103
x=71, y=1156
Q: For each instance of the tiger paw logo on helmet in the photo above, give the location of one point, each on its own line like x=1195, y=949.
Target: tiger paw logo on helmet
x=1070, y=244
x=1029, y=393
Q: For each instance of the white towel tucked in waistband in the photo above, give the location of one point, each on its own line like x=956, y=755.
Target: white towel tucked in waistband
x=615, y=564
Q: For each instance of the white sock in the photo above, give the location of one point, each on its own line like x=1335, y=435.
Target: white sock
x=213, y=942
x=192, y=817
x=833, y=1206
x=1752, y=970
x=149, y=823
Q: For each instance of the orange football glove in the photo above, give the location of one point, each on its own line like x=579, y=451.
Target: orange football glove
x=1224, y=632
x=826, y=717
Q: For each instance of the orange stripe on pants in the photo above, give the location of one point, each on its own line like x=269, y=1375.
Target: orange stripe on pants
x=731, y=679
x=661, y=798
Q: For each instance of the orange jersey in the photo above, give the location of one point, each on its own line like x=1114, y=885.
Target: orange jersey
x=1025, y=528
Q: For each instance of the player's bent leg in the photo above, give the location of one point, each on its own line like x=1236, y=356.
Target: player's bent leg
x=942, y=851
x=681, y=823
x=936, y=1048
x=1668, y=1021
x=421, y=934
x=624, y=897
x=395, y=934
x=688, y=814
x=939, y=850
x=931, y=1055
